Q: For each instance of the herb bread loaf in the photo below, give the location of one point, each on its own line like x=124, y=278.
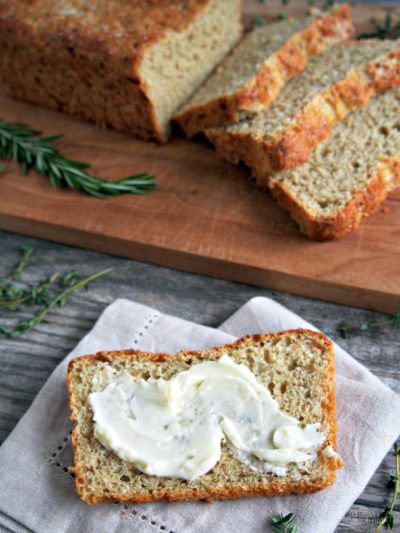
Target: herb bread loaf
x=120, y=63
x=296, y=366
x=251, y=77
x=349, y=175
x=343, y=78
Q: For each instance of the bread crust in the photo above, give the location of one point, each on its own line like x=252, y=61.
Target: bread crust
x=294, y=145
x=260, y=91
x=101, y=45
x=364, y=202
x=128, y=30
x=214, y=493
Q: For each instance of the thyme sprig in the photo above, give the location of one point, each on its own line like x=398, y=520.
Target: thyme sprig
x=34, y=151
x=14, y=274
x=382, y=30
x=345, y=329
x=39, y=294
x=387, y=517
x=284, y=524
x=43, y=294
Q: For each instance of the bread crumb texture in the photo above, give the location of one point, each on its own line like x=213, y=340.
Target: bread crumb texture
x=345, y=77
x=296, y=366
x=349, y=175
x=252, y=76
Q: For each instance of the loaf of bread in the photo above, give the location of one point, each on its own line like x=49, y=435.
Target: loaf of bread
x=296, y=366
x=251, y=77
x=349, y=175
x=120, y=63
x=343, y=78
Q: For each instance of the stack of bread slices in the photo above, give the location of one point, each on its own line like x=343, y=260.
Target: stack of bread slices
x=314, y=117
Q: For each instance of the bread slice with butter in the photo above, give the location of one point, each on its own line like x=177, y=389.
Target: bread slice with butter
x=296, y=367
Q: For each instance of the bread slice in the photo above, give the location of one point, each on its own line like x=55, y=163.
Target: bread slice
x=298, y=368
x=251, y=77
x=343, y=78
x=349, y=175
x=125, y=64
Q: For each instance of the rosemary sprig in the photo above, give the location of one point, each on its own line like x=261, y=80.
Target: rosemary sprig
x=387, y=517
x=284, y=524
x=25, y=325
x=33, y=151
x=345, y=329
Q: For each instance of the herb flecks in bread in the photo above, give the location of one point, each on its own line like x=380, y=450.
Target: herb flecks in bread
x=296, y=366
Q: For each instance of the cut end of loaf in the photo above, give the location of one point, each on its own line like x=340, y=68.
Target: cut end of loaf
x=176, y=66
x=297, y=366
x=130, y=65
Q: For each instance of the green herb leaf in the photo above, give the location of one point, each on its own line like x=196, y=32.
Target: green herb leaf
x=33, y=151
x=284, y=524
x=388, y=29
x=386, y=518
x=42, y=294
x=59, y=299
x=70, y=278
x=257, y=20
x=345, y=329
x=26, y=252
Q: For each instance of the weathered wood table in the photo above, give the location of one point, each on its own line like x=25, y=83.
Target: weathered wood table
x=27, y=362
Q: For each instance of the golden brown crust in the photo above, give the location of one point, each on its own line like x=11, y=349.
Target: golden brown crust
x=364, y=202
x=259, y=92
x=100, y=44
x=214, y=493
x=119, y=29
x=272, y=489
x=294, y=145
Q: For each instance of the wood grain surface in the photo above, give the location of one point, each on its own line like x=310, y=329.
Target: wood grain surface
x=205, y=216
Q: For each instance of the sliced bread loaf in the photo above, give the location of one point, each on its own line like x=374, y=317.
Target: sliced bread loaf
x=125, y=64
x=349, y=175
x=250, y=78
x=334, y=83
x=296, y=366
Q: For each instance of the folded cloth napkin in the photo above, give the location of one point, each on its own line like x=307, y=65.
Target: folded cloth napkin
x=37, y=491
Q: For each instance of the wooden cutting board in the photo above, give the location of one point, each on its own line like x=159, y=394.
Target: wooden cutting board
x=205, y=216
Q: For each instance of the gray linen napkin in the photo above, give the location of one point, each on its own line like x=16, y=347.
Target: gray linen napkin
x=37, y=492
